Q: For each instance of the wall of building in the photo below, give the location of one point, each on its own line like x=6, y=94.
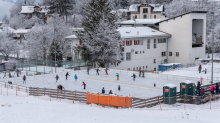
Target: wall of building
x=198, y=52
x=181, y=41
x=145, y=59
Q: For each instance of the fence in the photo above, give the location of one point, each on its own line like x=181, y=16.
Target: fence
x=55, y=93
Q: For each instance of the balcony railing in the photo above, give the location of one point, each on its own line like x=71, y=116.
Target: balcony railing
x=197, y=41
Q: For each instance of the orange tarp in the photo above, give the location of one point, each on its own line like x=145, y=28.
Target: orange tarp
x=109, y=100
x=128, y=101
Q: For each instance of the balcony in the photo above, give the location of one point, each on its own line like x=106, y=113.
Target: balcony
x=197, y=42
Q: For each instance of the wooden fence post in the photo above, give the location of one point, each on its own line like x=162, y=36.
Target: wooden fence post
x=37, y=92
x=50, y=96
x=160, y=103
x=73, y=96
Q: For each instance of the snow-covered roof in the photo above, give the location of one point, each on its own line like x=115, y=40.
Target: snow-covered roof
x=170, y=64
x=1, y=22
x=30, y=9
x=157, y=7
x=170, y=85
x=141, y=21
x=21, y=31
x=133, y=7
x=71, y=37
x=77, y=29
x=132, y=32
x=187, y=82
x=122, y=10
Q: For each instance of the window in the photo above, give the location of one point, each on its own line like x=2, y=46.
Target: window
x=141, y=42
x=163, y=40
x=144, y=10
x=177, y=54
x=128, y=43
x=148, y=43
x=136, y=42
x=136, y=52
x=76, y=55
x=140, y=52
x=155, y=43
x=146, y=66
x=143, y=51
x=170, y=53
x=143, y=67
x=154, y=61
x=122, y=57
x=155, y=16
x=163, y=53
x=135, y=17
x=145, y=16
x=128, y=56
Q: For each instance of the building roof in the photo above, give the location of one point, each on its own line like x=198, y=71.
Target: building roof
x=182, y=15
x=156, y=7
x=71, y=37
x=30, y=9
x=141, y=21
x=133, y=7
x=135, y=32
x=141, y=32
x=21, y=31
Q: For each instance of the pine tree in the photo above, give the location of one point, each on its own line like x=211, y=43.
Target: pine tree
x=55, y=49
x=124, y=3
x=100, y=36
x=62, y=7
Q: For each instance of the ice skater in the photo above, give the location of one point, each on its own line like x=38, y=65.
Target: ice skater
x=57, y=77
x=97, y=71
x=205, y=70
x=106, y=71
x=119, y=88
x=24, y=79
x=75, y=77
x=117, y=76
x=103, y=90
x=200, y=68
x=140, y=72
x=88, y=70
x=84, y=84
x=67, y=74
x=134, y=76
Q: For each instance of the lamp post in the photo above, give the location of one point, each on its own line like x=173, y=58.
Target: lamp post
x=212, y=42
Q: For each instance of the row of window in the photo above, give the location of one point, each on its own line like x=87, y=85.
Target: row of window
x=144, y=17
x=128, y=55
x=136, y=42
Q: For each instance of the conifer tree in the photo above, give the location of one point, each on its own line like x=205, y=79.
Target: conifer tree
x=100, y=36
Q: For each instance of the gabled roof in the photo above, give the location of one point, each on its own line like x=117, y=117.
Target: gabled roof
x=141, y=21
x=140, y=32
x=156, y=7
x=30, y=9
x=71, y=37
x=182, y=15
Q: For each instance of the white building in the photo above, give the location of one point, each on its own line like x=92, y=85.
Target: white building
x=180, y=39
x=145, y=11
x=19, y=34
x=143, y=47
x=188, y=37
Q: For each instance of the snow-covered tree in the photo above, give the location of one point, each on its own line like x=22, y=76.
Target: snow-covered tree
x=7, y=44
x=124, y=4
x=39, y=40
x=5, y=19
x=100, y=36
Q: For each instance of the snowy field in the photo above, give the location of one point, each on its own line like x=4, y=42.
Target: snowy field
x=141, y=87
x=23, y=109
x=193, y=71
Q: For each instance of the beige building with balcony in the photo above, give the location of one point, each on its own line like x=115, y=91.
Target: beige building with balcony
x=145, y=11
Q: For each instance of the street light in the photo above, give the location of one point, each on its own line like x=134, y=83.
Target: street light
x=212, y=43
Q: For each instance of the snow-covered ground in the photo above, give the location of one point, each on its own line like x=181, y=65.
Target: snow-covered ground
x=193, y=71
x=23, y=109
x=141, y=87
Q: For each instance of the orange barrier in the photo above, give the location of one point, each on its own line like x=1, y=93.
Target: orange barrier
x=109, y=100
